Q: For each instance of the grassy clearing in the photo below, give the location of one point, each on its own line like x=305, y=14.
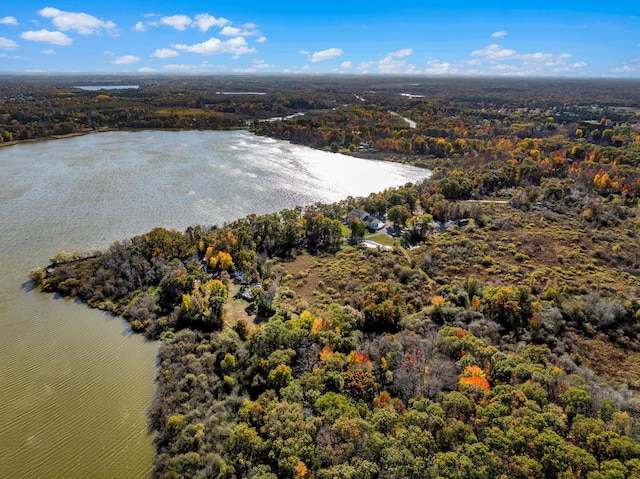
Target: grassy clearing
x=383, y=239
x=236, y=307
x=619, y=366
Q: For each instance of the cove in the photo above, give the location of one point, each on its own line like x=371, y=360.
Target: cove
x=75, y=384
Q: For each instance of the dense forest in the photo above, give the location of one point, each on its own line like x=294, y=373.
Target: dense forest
x=494, y=333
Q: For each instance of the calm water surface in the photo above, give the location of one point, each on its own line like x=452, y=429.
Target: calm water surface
x=75, y=385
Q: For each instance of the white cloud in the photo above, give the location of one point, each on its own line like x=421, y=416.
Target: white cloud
x=623, y=69
x=261, y=64
x=365, y=66
x=204, y=21
x=296, y=69
x=494, y=53
x=401, y=53
x=531, y=64
x=179, y=22
x=535, y=57
x=165, y=53
x=248, y=30
x=203, y=67
x=506, y=69
x=126, y=60
x=57, y=38
x=108, y=52
x=13, y=57
x=231, y=31
x=499, y=34
x=394, y=62
x=146, y=70
x=49, y=51
x=7, y=44
x=323, y=55
x=256, y=66
x=629, y=67
x=435, y=67
x=346, y=65
x=8, y=21
x=173, y=66
x=236, y=46
x=261, y=39
x=82, y=23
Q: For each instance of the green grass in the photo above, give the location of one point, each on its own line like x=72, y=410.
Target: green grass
x=383, y=239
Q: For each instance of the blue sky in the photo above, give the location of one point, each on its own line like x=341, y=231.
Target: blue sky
x=526, y=38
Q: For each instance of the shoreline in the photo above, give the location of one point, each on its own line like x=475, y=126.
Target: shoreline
x=64, y=136
x=70, y=135
x=104, y=130
x=368, y=155
x=52, y=137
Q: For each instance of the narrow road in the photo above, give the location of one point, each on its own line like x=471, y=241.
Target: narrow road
x=412, y=124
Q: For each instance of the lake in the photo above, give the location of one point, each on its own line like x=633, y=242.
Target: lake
x=75, y=384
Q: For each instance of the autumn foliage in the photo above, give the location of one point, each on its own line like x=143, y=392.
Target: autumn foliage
x=474, y=376
x=473, y=349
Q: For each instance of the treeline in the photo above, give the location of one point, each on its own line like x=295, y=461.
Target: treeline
x=31, y=109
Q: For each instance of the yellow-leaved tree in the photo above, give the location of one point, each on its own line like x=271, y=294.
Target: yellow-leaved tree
x=204, y=307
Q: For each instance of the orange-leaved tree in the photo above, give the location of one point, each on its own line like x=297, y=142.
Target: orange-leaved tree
x=475, y=376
